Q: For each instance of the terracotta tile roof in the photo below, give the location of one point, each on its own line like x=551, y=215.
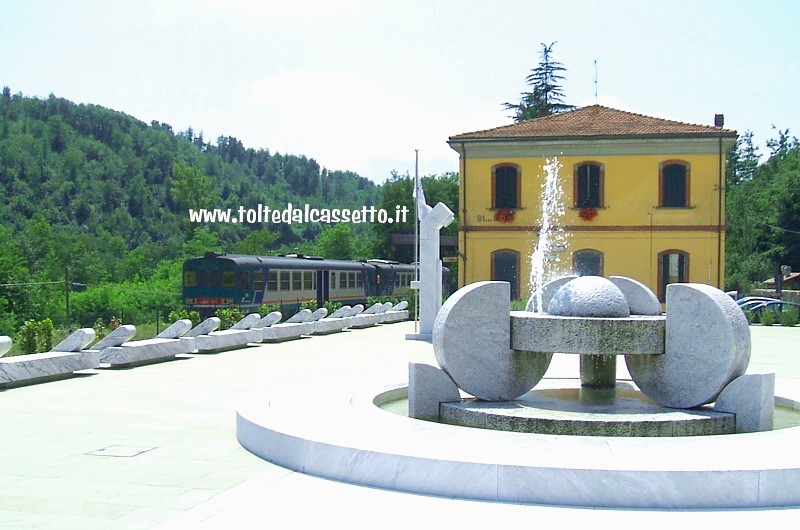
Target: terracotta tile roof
x=595, y=121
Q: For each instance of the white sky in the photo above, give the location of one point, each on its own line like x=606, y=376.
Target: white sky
x=360, y=84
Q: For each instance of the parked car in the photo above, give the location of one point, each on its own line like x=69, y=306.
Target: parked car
x=749, y=299
x=777, y=307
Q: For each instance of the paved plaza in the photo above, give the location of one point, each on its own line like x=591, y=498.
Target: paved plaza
x=155, y=446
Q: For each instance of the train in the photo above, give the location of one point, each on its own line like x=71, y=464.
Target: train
x=247, y=282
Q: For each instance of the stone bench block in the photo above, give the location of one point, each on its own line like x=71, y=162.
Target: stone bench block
x=143, y=351
x=229, y=339
x=41, y=367
x=287, y=331
x=539, y=332
x=390, y=317
x=326, y=326
x=364, y=320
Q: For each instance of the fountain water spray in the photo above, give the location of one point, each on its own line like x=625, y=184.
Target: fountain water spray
x=551, y=233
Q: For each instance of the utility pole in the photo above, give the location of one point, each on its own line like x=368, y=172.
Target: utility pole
x=66, y=293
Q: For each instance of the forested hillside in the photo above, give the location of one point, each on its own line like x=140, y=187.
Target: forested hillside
x=104, y=197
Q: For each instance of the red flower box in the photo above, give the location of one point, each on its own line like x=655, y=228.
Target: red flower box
x=504, y=215
x=588, y=213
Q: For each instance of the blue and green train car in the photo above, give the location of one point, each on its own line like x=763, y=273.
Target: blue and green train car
x=248, y=282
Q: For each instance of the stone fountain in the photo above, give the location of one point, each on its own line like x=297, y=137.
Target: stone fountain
x=679, y=363
x=690, y=429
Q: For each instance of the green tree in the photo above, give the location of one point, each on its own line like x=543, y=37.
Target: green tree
x=257, y=242
x=545, y=96
x=764, y=216
x=742, y=161
x=336, y=242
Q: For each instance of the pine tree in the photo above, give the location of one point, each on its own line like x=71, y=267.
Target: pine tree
x=546, y=96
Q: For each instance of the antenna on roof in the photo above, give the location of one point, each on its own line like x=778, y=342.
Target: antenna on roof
x=595, y=81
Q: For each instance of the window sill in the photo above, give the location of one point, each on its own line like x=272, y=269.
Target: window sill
x=496, y=209
x=674, y=207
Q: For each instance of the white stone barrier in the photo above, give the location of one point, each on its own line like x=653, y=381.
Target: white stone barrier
x=303, y=323
x=65, y=359
x=164, y=347
x=237, y=336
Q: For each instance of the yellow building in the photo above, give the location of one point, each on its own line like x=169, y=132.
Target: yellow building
x=643, y=197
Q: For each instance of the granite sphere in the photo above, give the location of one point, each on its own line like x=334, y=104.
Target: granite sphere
x=589, y=296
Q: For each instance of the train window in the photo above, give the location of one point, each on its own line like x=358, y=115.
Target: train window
x=308, y=280
x=215, y=278
x=351, y=280
x=272, y=281
x=297, y=281
x=190, y=278
x=359, y=281
x=202, y=278
x=397, y=280
x=284, y=283
x=333, y=280
x=240, y=280
x=228, y=278
x=258, y=285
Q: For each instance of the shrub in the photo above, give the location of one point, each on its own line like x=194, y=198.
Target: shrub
x=194, y=316
x=331, y=306
x=311, y=305
x=789, y=318
x=99, y=327
x=766, y=317
x=266, y=309
x=749, y=315
x=36, y=336
x=229, y=316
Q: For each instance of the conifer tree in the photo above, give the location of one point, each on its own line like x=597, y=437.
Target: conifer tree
x=546, y=96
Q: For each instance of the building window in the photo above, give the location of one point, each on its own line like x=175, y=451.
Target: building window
x=673, y=187
x=588, y=186
x=588, y=263
x=505, y=268
x=505, y=186
x=673, y=267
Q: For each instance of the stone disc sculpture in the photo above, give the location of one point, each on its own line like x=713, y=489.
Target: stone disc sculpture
x=707, y=346
x=471, y=338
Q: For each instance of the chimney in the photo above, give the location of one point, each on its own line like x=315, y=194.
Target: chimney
x=719, y=120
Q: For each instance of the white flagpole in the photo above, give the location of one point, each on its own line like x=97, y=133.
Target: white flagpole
x=416, y=238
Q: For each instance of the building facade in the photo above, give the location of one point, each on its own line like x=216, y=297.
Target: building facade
x=643, y=197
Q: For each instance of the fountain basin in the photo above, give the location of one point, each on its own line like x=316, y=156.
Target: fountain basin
x=334, y=429
x=564, y=407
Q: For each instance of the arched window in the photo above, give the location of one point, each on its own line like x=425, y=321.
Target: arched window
x=588, y=185
x=505, y=186
x=588, y=262
x=673, y=184
x=505, y=268
x=673, y=267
